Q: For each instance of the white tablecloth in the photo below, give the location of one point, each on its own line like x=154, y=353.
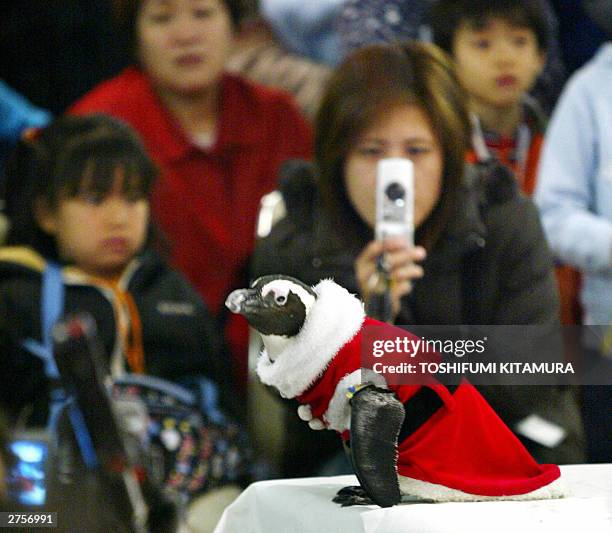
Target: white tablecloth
x=305, y=506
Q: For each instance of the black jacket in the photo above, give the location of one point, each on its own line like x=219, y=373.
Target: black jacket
x=178, y=335
x=491, y=266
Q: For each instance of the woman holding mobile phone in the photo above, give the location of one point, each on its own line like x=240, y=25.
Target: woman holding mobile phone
x=479, y=256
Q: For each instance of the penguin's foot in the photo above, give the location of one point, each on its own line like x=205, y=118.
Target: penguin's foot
x=354, y=495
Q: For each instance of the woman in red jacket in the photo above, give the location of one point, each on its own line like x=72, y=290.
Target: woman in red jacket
x=218, y=139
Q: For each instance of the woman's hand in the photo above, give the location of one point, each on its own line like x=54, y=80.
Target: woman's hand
x=400, y=260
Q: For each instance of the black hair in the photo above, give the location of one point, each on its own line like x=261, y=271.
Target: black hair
x=72, y=156
x=446, y=16
x=126, y=14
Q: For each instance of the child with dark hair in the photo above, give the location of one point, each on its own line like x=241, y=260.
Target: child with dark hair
x=363, y=22
x=218, y=139
x=77, y=199
x=77, y=196
x=499, y=47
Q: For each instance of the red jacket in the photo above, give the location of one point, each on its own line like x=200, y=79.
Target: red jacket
x=207, y=200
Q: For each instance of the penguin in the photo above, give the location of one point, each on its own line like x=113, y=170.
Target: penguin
x=276, y=306
x=406, y=442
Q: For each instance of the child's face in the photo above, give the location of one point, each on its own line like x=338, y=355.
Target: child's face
x=183, y=44
x=497, y=64
x=405, y=131
x=99, y=235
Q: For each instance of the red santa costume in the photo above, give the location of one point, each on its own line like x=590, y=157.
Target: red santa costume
x=462, y=452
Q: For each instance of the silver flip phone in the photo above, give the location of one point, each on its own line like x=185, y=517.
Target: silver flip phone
x=395, y=199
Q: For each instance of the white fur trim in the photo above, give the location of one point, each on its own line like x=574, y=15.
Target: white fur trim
x=338, y=414
x=305, y=413
x=440, y=493
x=316, y=424
x=334, y=319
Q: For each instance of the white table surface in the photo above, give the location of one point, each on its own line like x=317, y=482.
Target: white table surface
x=305, y=506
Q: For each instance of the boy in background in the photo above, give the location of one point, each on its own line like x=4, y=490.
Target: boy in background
x=499, y=47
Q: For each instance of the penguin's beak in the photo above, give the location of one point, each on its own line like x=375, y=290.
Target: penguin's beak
x=240, y=299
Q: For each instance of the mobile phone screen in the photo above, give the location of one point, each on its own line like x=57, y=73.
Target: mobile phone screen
x=26, y=480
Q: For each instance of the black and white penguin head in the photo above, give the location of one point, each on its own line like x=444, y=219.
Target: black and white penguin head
x=274, y=305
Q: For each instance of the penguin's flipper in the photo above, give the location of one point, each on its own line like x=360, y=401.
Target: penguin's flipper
x=376, y=418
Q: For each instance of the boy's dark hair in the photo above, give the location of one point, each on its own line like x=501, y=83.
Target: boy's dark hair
x=446, y=16
x=73, y=155
x=126, y=14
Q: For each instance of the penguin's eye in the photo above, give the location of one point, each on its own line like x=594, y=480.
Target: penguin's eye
x=280, y=299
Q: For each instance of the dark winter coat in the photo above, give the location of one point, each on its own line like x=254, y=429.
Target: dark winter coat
x=491, y=266
x=179, y=338
x=494, y=243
